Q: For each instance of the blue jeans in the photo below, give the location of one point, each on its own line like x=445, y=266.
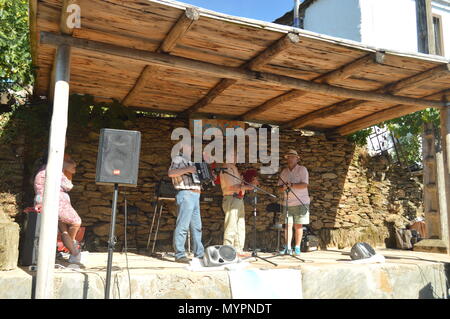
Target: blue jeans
x=188, y=203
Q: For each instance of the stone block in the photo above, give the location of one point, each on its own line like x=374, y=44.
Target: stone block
x=9, y=244
x=431, y=246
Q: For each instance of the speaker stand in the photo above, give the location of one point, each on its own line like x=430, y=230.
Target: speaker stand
x=112, y=241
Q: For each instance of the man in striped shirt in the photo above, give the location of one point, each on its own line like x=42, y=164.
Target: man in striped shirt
x=185, y=180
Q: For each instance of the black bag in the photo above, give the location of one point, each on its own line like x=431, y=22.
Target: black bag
x=310, y=242
x=403, y=238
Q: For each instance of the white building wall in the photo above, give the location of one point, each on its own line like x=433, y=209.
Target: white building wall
x=389, y=24
x=384, y=24
x=442, y=8
x=338, y=18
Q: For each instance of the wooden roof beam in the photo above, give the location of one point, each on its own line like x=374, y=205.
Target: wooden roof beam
x=220, y=71
x=176, y=33
x=338, y=74
x=289, y=96
x=210, y=96
x=260, y=60
x=396, y=87
x=180, y=28
x=286, y=42
x=351, y=68
x=391, y=113
x=147, y=73
x=419, y=79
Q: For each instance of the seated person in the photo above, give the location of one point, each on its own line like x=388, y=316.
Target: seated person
x=68, y=220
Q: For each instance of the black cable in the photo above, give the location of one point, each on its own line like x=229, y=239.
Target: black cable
x=125, y=239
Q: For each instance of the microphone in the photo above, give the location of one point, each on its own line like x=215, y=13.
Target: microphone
x=219, y=169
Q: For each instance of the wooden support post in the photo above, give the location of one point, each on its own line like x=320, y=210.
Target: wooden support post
x=442, y=197
x=445, y=142
x=430, y=194
x=49, y=221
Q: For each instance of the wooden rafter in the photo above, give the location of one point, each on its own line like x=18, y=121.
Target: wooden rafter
x=351, y=68
x=255, y=64
x=271, y=52
x=180, y=28
x=181, y=63
x=211, y=95
x=397, y=87
x=291, y=95
x=420, y=79
x=335, y=75
x=391, y=113
x=146, y=74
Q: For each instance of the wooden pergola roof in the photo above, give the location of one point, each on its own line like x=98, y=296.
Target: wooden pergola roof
x=167, y=56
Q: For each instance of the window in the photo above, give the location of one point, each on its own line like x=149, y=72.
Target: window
x=438, y=38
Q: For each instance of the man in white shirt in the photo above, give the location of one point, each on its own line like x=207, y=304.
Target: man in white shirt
x=297, y=211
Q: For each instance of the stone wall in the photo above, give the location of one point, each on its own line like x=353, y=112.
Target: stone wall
x=354, y=197
x=11, y=175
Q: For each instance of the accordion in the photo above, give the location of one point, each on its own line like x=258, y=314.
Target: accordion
x=204, y=172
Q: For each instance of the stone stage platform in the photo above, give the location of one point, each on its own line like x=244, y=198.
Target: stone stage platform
x=324, y=275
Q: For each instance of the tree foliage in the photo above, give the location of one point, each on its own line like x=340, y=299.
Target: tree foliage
x=408, y=130
x=15, y=56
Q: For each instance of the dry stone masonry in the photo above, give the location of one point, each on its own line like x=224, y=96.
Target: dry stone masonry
x=355, y=197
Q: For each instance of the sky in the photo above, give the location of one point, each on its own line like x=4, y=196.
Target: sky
x=266, y=10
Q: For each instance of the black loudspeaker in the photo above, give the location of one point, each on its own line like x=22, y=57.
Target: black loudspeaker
x=30, y=243
x=118, y=157
x=219, y=255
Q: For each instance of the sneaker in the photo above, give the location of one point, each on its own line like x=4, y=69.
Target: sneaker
x=297, y=251
x=78, y=259
x=75, y=259
x=286, y=251
x=183, y=260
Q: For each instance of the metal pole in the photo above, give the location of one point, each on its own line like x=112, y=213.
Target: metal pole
x=49, y=223
x=111, y=242
x=296, y=13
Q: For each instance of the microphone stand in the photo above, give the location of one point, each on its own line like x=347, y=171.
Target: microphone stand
x=289, y=189
x=255, y=189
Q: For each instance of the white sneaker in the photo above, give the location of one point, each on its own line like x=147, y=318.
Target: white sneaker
x=81, y=258
x=75, y=259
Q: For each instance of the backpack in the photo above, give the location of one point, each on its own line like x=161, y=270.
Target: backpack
x=403, y=238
